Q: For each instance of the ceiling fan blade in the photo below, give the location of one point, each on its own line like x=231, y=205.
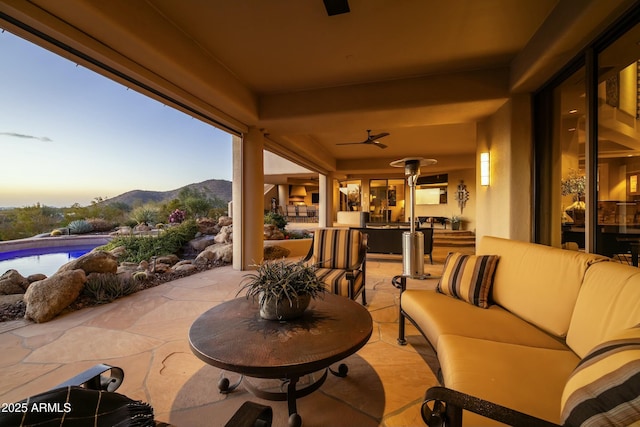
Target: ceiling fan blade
x=379, y=144
x=378, y=136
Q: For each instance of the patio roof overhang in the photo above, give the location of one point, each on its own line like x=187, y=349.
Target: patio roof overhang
x=286, y=77
x=424, y=72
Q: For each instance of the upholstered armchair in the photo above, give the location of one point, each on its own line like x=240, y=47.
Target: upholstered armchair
x=340, y=256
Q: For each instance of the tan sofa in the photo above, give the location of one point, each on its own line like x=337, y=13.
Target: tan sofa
x=550, y=308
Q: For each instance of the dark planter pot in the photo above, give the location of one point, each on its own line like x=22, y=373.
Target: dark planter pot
x=283, y=309
x=455, y=226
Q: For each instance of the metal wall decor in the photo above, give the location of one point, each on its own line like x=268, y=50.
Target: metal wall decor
x=462, y=195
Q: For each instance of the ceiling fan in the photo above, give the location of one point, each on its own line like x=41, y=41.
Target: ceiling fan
x=371, y=139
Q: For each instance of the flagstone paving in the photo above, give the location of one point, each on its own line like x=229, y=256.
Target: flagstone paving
x=146, y=334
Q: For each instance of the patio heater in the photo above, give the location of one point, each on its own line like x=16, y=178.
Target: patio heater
x=412, y=241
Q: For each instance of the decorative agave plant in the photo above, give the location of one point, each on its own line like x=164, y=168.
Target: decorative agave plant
x=283, y=284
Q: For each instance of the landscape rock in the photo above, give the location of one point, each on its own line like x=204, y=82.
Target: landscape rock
x=208, y=226
x=275, y=252
x=12, y=282
x=142, y=228
x=118, y=251
x=36, y=277
x=161, y=268
x=168, y=259
x=217, y=252
x=185, y=267
x=224, y=221
x=271, y=232
x=225, y=235
x=93, y=262
x=11, y=299
x=47, y=298
x=200, y=243
x=125, y=230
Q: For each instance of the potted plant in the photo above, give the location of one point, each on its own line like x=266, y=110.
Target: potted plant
x=284, y=289
x=455, y=221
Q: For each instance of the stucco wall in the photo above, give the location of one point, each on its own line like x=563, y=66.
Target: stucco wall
x=504, y=207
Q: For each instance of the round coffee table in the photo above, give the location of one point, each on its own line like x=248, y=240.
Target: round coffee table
x=232, y=336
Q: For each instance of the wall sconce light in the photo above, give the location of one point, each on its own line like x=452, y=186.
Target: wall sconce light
x=485, y=167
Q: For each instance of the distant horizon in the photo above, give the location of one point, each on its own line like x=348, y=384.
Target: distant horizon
x=69, y=135
x=107, y=198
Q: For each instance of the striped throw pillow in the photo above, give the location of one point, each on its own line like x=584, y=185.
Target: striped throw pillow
x=604, y=389
x=468, y=277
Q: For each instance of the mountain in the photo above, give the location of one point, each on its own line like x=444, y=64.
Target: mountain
x=213, y=187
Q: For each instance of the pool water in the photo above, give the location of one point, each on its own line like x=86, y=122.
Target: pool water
x=40, y=260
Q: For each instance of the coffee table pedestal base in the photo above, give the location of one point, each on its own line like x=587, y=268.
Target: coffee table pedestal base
x=292, y=393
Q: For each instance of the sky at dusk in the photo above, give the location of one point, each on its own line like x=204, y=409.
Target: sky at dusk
x=69, y=135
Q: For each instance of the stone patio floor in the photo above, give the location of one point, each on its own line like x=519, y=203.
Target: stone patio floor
x=146, y=334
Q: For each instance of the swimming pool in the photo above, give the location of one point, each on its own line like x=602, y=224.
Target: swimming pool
x=41, y=260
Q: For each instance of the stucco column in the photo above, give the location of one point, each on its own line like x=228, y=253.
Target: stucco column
x=248, y=199
x=283, y=197
x=325, y=210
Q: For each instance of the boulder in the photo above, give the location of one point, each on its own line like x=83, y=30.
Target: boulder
x=47, y=298
x=93, y=262
x=168, y=259
x=36, y=277
x=271, y=232
x=161, y=268
x=275, y=252
x=12, y=282
x=217, y=252
x=200, y=243
x=225, y=235
x=207, y=226
x=224, y=221
x=185, y=267
x=118, y=251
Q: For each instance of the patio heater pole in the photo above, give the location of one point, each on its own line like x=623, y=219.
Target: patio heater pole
x=412, y=241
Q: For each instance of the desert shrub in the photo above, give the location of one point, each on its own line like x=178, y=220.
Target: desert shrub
x=275, y=219
x=56, y=233
x=215, y=213
x=106, y=287
x=170, y=241
x=145, y=215
x=100, y=224
x=79, y=226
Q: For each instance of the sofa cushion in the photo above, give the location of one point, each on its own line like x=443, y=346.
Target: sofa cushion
x=605, y=387
x=468, y=277
x=536, y=282
x=436, y=314
x=527, y=379
x=608, y=302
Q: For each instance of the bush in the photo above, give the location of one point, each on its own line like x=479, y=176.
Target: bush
x=145, y=215
x=106, y=287
x=79, y=226
x=177, y=216
x=275, y=219
x=100, y=224
x=170, y=241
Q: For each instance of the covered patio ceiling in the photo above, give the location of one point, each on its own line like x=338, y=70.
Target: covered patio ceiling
x=426, y=72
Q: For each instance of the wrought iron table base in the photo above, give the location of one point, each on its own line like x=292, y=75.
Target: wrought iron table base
x=292, y=393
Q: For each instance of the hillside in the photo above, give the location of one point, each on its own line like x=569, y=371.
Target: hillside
x=213, y=187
